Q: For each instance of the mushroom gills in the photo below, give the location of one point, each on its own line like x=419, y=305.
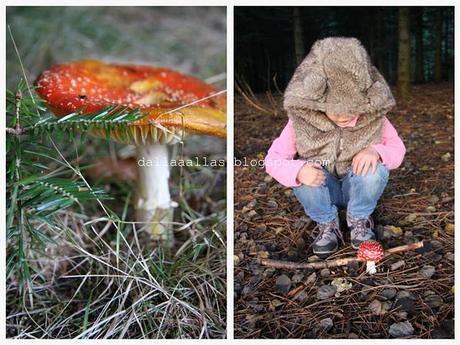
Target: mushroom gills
x=146, y=135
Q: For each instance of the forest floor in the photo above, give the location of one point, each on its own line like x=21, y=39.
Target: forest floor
x=410, y=290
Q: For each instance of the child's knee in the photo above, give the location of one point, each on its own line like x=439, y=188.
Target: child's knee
x=381, y=174
x=304, y=189
x=311, y=193
x=382, y=171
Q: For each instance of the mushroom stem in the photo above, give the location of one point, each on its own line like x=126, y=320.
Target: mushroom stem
x=370, y=267
x=153, y=204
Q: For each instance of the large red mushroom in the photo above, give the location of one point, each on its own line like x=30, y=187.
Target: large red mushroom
x=371, y=252
x=176, y=105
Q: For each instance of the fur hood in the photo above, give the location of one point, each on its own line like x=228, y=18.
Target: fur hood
x=338, y=77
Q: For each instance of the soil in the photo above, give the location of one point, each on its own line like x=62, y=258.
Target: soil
x=411, y=295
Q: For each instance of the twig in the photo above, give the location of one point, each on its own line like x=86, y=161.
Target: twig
x=302, y=265
x=333, y=263
x=15, y=131
x=404, y=248
x=427, y=213
x=245, y=90
x=406, y=194
x=276, y=85
x=18, y=130
x=449, y=199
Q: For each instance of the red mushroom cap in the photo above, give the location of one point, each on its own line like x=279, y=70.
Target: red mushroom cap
x=371, y=251
x=172, y=99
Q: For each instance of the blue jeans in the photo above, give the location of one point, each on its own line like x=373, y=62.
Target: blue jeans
x=358, y=194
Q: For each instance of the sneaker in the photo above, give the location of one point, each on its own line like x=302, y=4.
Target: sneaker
x=327, y=241
x=361, y=230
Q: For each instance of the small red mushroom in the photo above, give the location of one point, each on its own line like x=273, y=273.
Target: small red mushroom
x=371, y=252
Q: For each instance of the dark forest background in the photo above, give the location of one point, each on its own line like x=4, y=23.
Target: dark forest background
x=407, y=44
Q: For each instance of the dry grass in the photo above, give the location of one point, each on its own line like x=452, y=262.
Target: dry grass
x=99, y=276
x=103, y=278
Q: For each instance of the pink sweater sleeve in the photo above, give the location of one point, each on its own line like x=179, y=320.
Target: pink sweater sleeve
x=279, y=162
x=391, y=149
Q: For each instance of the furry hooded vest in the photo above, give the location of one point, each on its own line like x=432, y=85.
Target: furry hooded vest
x=336, y=77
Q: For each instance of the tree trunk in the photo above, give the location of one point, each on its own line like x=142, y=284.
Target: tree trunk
x=419, y=55
x=403, y=81
x=446, y=39
x=438, y=46
x=381, y=41
x=299, y=46
x=372, y=34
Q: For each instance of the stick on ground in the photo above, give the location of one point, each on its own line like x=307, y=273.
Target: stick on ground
x=333, y=263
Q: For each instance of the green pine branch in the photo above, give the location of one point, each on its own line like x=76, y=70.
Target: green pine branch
x=44, y=195
x=113, y=118
x=37, y=191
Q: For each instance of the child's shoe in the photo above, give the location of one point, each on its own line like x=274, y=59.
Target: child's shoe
x=327, y=241
x=361, y=230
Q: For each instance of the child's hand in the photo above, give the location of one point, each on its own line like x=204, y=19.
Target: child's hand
x=365, y=159
x=311, y=175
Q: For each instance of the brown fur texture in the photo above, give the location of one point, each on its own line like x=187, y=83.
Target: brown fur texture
x=336, y=77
